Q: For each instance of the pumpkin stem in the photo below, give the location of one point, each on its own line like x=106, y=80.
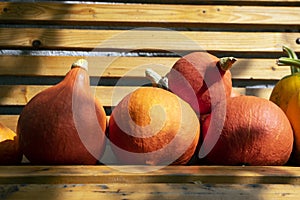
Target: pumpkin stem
x=295, y=63
x=226, y=63
x=292, y=55
x=156, y=79
x=82, y=63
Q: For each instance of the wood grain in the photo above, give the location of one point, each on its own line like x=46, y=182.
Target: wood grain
x=19, y=95
x=149, y=191
x=151, y=40
x=109, y=96
x=99, y=174
x=110, y=66
x=147, y=14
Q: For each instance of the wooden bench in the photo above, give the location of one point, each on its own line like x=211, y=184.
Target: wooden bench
x=39, y=41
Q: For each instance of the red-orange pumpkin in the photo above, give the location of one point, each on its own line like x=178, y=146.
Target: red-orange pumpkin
x=153, y=126
x=255, y=132
x=201, y=79
x=64, y=124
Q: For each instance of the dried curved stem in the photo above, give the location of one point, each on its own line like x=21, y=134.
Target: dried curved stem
x=82, y=63
x=156, y=79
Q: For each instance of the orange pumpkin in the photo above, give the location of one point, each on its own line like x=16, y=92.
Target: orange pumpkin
x=293, y=114
x=153, y=126
x=10, y=152
x=64, y=124
x=288, y=85
x=255, y=132
x=201, y=79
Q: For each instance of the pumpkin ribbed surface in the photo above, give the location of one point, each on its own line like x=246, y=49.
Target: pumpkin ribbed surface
x=255, y=132
x=284, y=90
x=153, y=126
x=293, y=114
x=197, y=79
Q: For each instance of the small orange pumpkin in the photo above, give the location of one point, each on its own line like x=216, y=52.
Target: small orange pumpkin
x=10, y=151
x=293, y=114
x=64, y=124
x=152, y=126
x=199, y=78
x=288, y=85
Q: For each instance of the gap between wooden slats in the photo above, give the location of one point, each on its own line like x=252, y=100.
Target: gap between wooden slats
x=147, y=14
x=153, y=39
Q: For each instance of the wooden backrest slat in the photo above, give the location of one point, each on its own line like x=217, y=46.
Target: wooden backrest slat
x=156, y=40
x=147, y=14
x=117, y=67
x=19, y=95
x=215, y=2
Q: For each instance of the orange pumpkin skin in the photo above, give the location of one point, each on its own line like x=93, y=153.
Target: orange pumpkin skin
x=293, y=114
x=10, y=151
x=154, y=127
x=192, y=75
x=255, y=132
x=48, y=126
x=235, y=93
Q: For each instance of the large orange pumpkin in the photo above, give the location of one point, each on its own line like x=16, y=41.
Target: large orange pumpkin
x=10, y=152
x=153, y=126
x=64, y=124
x=256, y=132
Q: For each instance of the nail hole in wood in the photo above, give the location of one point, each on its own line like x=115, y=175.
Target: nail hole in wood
x=36, y=43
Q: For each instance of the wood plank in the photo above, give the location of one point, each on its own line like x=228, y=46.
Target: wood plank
x=103, y=66
x=99, y=174
x=152, y=40
x=19, y=95
x=149, y=191
x=216, y=2
x=9, y=121
x=147, y=14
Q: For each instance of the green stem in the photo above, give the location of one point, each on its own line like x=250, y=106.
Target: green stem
x=292, y=55
x=289, y=61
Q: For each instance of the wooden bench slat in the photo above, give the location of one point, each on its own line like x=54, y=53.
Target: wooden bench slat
x=215, y=2
x=108, y=95
x=150, y=191
x=9, y=121
x=20, y=95
x=16, y=96
x=153, y=40
x=147, y=174
x=244, y=68
x=147, y=14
